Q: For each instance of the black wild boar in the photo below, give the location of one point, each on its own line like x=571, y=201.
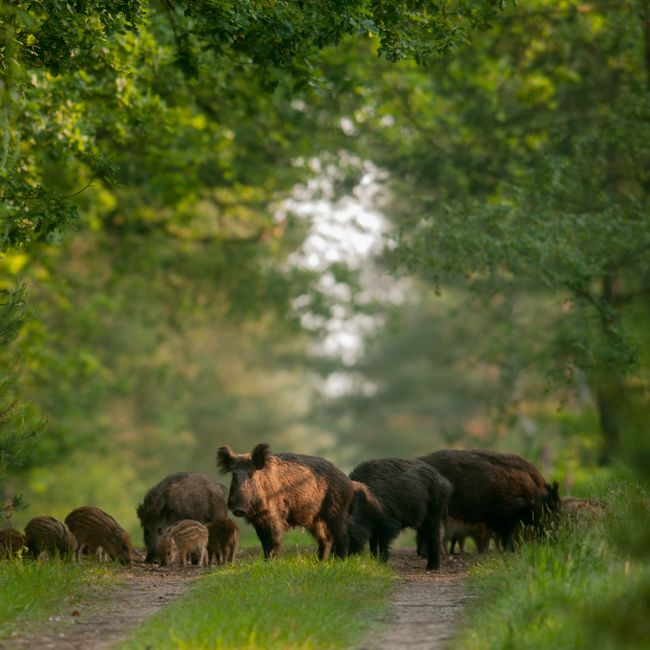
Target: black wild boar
x=275, y=492
x=49, y=535
x=223, y=540
x=457, y=531
x=410, y=494
x=501, y=490
x=182, y=539
x=95, y=529
x=185, y=495
x=11, y=541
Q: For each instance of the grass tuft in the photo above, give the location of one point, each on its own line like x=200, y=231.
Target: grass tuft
x=291, y=602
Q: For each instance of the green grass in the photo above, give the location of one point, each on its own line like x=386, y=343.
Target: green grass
x=30, y=591
x=290, y=602
x=587, y=588
x=293, y=540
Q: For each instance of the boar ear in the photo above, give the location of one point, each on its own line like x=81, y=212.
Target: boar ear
x=225, y=459
x=259, y=455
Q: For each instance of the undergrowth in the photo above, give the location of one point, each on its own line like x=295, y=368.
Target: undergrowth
x=584, y=587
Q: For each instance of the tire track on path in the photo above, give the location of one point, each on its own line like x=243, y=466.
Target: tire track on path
x=427, y=607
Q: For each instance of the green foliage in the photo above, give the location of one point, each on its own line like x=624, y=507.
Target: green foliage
x=288, y=603
x=579, y=589
x=518, y=169
x=30, y=591
x=17, y=425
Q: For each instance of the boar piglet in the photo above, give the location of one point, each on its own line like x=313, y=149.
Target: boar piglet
x=181, y=540
x=223, y=540
x=11, y=541
x=183, y=495
x=503, y=491
x=48, y=535
x=275, y=492
x=411, y=494
x=457, y=531
x=95, y=529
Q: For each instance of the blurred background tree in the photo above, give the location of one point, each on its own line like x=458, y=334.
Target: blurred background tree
x=189, y=190
x=167, y=135
x=518, y=171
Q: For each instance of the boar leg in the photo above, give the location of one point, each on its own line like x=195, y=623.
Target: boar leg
x=374, y=544
x=203, y=559
x=388, y=531
x=338, y=530
x=270, y=540
x=420, y=545
x=322, y=535
x=482, y=541
x=507, y=539
x=430, y=532
x=230, y=552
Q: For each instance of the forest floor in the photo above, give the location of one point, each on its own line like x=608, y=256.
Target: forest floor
x=425, y=611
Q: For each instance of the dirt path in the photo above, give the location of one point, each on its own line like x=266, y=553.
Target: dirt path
x=427, y=606
x=102, y=621
x=424, y=615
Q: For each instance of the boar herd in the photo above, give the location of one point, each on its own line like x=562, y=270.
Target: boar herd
x=446, y=497
x=503, y=493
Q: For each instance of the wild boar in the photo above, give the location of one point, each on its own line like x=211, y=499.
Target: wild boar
x=222, y=541
x=504, y=491
x=411, y=494
x=275, y=492
x=582, y=512
x=95, y=530
x=457, y=531
x=48, y=535
x=184, y=495
x=181, y=540
x=11, y=541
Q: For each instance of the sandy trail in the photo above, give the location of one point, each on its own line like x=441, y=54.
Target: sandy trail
x=426, y=608
x=106, y=619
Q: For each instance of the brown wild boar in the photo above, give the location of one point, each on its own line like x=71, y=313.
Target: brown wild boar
x=411, y=494
x=48, y=535
x=95, y=529
x=457, y=531
x=182, y=539
x=11, y=541
x=504, y=491
x=184, y=495
x=275, y=492
x=582, y=511
x=222, y=541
